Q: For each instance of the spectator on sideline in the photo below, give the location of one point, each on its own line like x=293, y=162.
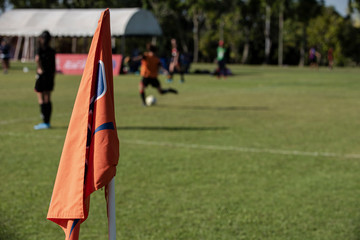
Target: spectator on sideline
x=5, y=55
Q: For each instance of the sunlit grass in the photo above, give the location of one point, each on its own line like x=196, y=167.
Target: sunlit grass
x=224, y=159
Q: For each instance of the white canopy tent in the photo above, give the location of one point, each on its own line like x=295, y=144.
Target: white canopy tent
x=77, y=22
x=29, y=23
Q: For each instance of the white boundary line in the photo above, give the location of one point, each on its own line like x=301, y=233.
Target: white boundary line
x=6, y=122
x=243, y=149
x=215, y=147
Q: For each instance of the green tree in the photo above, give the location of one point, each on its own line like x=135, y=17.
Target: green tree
x=323, y=32
x=267, y=4
x=353, y=4
x=2, y=5
x=306, y=10
x=281, y=6
x=197, y=12
x=249, y=21
x=34, y=3
x=232, y=28
x=74, y=3
x=171, y=15
x=349, y=39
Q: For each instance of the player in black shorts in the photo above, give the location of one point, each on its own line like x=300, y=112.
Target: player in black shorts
x=150, y=65
x=45, y=76
x=175, y=63
x=154, y=82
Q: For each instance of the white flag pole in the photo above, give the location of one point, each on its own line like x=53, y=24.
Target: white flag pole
x=111, y=209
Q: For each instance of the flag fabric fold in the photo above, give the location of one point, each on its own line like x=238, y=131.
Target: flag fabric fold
x=91, y=148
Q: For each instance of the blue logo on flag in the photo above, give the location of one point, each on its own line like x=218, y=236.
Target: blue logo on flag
x=100, y=90
x=101, y=83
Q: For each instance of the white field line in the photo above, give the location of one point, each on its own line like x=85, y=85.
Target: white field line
x=13, y=134
x=6, y=122
x=243, y=149
x=213, y=147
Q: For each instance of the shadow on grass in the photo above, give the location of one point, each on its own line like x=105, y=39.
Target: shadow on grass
x=229, y=108
x=159, y=128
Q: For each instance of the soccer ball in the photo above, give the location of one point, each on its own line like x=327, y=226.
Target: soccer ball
x=150, y=100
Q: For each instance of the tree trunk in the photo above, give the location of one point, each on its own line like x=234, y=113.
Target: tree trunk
x=234, y=44
x=196, y=37
x=281, y=29
x=303, y=46
x=245, y=53
x=221, y=30
x=267, y=33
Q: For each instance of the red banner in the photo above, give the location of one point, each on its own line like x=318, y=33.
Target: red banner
x=74, y=64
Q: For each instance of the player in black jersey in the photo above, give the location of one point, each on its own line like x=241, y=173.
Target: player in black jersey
x=45, y=76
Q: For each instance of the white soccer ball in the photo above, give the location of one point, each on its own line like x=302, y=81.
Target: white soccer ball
x=150, y=100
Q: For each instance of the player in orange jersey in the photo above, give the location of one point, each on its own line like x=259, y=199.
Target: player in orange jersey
x=150, y=65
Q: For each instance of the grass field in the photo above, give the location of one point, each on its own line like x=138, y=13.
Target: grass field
x=270, y=153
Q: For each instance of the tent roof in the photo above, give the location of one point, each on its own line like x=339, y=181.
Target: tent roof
x=77, y=22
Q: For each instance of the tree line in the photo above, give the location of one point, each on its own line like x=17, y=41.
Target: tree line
x=254, y=31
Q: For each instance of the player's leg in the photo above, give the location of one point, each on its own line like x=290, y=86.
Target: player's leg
x=142, y=91
x=218, y=70
x=221, y=68
x=225, y=71
x=156, y=84
x=180, y=70
x=43, y=110
x=5, y=63
x=40, y=97
x=171, y=72
x=47, y=106
x=167, y=90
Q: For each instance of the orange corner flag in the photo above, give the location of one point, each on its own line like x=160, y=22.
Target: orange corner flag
x=91, y=149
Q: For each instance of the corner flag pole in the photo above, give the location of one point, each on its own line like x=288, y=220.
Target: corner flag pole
x=110, y=199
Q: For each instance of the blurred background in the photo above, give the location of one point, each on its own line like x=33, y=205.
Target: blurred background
x=278, y=32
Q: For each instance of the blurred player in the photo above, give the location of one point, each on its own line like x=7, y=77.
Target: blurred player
x=222, y=71
x=331, y=58
x=5, y=55
x=314, y=57
x=45, y=75
x=150, y=65
x=175, y=63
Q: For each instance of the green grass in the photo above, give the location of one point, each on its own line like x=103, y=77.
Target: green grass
x=224, y=159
